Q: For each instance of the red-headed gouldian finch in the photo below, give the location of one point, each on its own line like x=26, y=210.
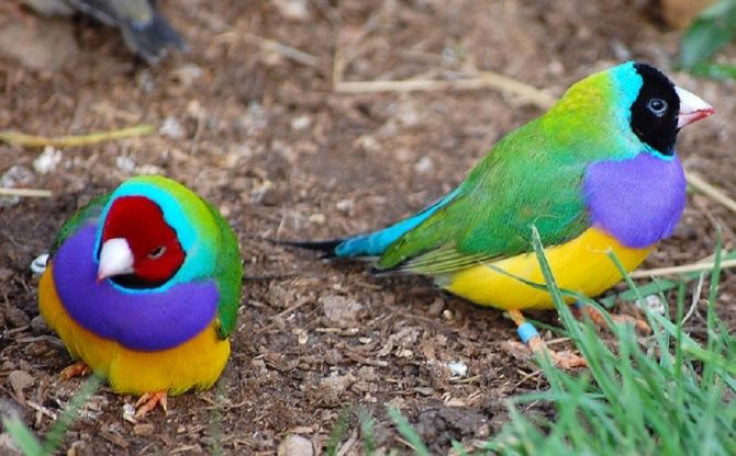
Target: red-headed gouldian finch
x=597, y=173
x=143, y=285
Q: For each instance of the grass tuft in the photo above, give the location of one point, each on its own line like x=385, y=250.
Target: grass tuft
x=27, y=441
x=671, y=395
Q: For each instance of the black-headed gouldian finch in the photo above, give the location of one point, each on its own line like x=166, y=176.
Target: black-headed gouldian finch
x=597, y=173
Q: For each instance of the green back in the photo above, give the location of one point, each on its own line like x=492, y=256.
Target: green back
x=228, y=274
x=89, y=212
x=533, y=176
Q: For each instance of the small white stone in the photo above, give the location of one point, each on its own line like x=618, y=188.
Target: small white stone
x=172, y=128
x=345, y=206
x=125, y=164
x=424, y=165
x=129, y=413
x=47, y=161
x=654, y=304
x=295, y=10
x=458, y=368
x=15, y=177
x=301, y=123
x=295, y=445
x=187, y=74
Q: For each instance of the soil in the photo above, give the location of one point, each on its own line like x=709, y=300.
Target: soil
x=260, y=131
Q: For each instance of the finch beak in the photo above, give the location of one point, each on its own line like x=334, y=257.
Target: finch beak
x=692, y=108
x=115, y=259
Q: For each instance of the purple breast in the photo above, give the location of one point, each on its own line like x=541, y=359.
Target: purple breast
x=637, y=201
x=146, y=320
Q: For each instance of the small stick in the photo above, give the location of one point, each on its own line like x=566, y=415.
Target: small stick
x=25, y=192
x=674, y=270
x=16, y=138
x=485, y=79
x=701, y=185
x=273, y=46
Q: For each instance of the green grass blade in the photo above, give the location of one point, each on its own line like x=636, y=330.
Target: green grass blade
x=23, y=437
x=408, y=432
x=55, y=436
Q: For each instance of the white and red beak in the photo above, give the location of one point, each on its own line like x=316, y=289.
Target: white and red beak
x=116, y=258
x=692, y=108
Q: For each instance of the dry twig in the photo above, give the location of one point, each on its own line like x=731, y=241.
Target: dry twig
x=25, y=192
x=701, y=185
x=485, y=79
x=15, y=138
x=270, y=45
x=675, y=270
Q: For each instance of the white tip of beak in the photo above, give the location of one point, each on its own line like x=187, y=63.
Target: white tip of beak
x=115, y=259
x=692, y=108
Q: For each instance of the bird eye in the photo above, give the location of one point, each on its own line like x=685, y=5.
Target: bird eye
x=157, y=253
x=657, y=106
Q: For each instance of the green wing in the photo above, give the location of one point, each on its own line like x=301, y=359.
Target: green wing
x=524, y=181
x=91, y=211
x=228, y=274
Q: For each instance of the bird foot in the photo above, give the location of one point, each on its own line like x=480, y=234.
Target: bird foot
x=563, y=360
x=599, y=320
x=149, y=401
x=77, y=369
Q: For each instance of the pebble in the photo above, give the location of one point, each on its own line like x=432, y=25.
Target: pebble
x=143, y=429
x=424, y=165
x=48, y=160
x=293, y=10
x=48, y=46
x=125, y=164
x=15, y=177
x=341, y=311
x=186, y=75
x=345, y=206
x=295, y=445
x=458, y=368
x=172, y=128
x=39, y=326
x=301, y=123
x=19, y=381
x=16, y=317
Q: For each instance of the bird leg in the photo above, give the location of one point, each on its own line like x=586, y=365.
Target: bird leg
x=77, y=369
x=149, y=401
x=599, y=320
x=530, y=337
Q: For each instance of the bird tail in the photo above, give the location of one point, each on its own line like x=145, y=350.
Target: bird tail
x=326, y=248
x=375, y=243
x=152, y=40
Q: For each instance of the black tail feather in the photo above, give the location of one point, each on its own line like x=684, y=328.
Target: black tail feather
x=326, y=248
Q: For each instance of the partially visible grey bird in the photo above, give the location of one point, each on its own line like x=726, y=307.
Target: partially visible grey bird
x=145, y=31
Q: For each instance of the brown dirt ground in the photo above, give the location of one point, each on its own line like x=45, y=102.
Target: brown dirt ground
x=266, y=138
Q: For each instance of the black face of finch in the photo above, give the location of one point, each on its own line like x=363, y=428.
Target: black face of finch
x=654, y=113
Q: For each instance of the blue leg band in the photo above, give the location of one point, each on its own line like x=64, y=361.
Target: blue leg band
x=579, y=304
x=526, y=331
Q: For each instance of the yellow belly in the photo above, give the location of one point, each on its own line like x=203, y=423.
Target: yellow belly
x=580, y=265
x=196, y=363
